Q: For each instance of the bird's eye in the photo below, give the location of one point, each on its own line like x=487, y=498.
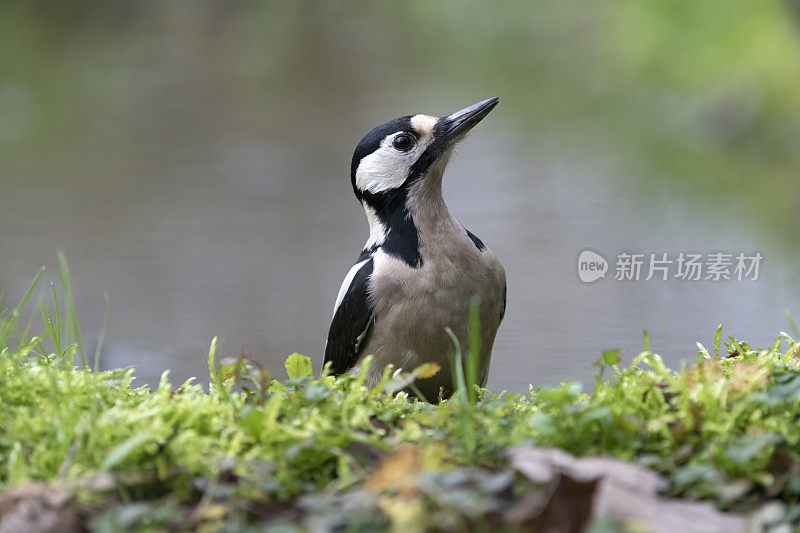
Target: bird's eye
x=403, y=142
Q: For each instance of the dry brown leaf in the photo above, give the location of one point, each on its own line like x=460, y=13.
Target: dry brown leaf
x=709, y=371
x=38, y=507
x=399, y=471
x=427, y=370
x=565, y=508
x=623, y=491
x=746, y=374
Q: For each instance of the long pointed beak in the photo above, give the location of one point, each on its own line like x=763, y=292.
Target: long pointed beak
x=453, y=127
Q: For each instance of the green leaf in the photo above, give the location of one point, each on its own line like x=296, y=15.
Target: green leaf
x=611, y=357
x=211, y=353
x=118, y=454
x=702, y=352
x=543, y=424
x=315, y=393
x=694, y=473
x=717, y=338
x=252, y=421
x=746, y=448
x=231, y=367
x=298, y=366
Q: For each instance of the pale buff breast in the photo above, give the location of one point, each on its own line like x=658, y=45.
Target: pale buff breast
x=413, y=306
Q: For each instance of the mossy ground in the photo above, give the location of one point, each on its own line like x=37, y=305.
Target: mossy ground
x=250, y=450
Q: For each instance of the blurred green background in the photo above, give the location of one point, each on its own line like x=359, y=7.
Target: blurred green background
x=192, y=158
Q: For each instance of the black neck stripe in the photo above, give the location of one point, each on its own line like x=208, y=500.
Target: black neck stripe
x=402, y=240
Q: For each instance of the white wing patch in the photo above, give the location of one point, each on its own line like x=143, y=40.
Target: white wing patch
x=348, y=279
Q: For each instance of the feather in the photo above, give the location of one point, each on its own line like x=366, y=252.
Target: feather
x=351, y=319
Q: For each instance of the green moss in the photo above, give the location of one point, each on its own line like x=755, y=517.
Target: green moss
x=724, y=429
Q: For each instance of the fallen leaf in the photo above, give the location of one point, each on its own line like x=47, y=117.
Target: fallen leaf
x=709, y=371
x=399, y=471
x=426, y=370
x=751, y=375
x=624, y=492
x=37, y=507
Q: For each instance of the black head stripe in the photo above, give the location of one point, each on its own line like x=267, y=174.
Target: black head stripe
x=372, y=141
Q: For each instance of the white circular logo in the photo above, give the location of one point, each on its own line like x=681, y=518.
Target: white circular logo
x=591, y=266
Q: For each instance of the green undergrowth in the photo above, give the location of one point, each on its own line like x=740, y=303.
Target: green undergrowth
x=249, y=449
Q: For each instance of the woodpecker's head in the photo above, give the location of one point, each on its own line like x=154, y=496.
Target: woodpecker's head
x=406, y=151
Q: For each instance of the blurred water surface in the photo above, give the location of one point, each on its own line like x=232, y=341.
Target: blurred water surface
x=192, y=160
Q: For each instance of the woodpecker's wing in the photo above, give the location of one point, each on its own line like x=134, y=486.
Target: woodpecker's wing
x=351, y=318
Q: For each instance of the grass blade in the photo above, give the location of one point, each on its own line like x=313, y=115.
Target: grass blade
x=57, y=336
x=459, y=382
x=792, y=324
x=7, y=326
x=73, y=325
x=474, y=348
x=102, y=338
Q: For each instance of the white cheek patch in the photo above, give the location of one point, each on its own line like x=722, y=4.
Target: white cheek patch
x=387, y=168
x=383, y=169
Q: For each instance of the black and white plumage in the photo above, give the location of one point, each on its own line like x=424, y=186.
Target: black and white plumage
x=420, y=268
